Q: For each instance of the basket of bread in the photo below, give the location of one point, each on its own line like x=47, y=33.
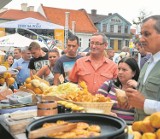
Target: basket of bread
x=92, y=103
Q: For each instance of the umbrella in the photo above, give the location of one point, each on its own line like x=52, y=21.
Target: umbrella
x=16, y=40
x=30, y=23
x=2, y=53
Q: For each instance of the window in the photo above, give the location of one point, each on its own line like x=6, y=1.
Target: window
x=119, y=44
x=80, y=42
x=89, y=43
x=111, y=28
x=126, y=29
x=119, y=29
x=104, y=28
x=111, y=43
x=126, y=43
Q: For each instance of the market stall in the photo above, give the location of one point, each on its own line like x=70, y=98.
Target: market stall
x=65, y=108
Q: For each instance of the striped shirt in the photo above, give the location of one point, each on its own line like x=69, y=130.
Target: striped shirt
x=127, y=115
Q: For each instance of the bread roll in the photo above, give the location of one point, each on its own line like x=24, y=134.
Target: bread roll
x=155, y=119
x=121, y=95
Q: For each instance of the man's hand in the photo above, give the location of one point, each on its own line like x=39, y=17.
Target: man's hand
x=135, y=98
x=19, y=68
x=132, y=83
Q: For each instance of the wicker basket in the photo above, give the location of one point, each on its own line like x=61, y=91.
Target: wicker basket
x=96, y=107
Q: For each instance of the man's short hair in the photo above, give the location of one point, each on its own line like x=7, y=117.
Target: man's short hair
x=24, y=49
x=104, y=37
x=73, y=37
x=34, y=45
x=157, y=24
x=17, y=48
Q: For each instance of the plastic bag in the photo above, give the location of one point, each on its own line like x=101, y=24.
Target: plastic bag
x=4, y=91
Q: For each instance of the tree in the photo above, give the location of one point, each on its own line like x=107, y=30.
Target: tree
x=142, y=15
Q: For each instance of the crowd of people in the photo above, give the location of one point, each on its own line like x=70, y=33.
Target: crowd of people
x=99, y=71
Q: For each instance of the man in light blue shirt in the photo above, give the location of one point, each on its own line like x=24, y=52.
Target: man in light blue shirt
x=22, y=66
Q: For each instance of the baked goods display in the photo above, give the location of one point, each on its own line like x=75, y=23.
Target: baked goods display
x=7, y=77
x=149, y=128
x=83, y=95
x=82, y=130
x=40, y=86
x=36, y=84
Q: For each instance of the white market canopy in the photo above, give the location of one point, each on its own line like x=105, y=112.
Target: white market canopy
x=17, y=40
x=30, y=23
x=2, y=53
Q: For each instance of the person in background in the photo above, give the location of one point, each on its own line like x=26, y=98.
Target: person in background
x=17, y=53
x=125, y=52
x=128, y=73
x=39, y=58
x=95, y=68
x=65, y=63
x=9, y=60
x=46, y=72
x=126, y=49
x=110, y=53
x=22, y=66
x=144, y=54
x=121, y=55
x=146, y=98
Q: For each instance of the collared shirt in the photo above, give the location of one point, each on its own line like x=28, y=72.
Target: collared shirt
x=151, y=106
x=151, y=63
x=144, y=59
x=84, y=70
x=24, y=72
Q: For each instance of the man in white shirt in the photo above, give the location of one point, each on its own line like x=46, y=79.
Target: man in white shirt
x=146, y=99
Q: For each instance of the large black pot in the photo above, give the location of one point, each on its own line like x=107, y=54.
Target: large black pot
x=111, y=127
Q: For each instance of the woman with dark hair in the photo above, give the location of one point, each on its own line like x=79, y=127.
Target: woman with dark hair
x=128, y=73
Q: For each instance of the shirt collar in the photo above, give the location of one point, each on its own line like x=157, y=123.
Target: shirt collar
x=88, y=58
x=155, y=58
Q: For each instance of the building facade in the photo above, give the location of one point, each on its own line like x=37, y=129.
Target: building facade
x=116, y=28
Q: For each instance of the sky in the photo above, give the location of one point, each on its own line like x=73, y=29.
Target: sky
x=128, y=9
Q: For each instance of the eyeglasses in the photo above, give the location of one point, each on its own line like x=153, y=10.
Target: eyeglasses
x=96, y=43
x=52, y=56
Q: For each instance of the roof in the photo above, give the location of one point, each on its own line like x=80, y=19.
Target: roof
x=81, y=18
x=19, y=14
x=97, y=18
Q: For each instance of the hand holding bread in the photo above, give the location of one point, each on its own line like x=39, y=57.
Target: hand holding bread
x=121, y=96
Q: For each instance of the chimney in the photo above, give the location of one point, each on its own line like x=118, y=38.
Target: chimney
x=3, y=10
x=24, y=6
x=93, y=12
x=30, y=8
x=109, y=14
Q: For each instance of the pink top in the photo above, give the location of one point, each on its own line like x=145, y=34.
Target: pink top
x=84, y=70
